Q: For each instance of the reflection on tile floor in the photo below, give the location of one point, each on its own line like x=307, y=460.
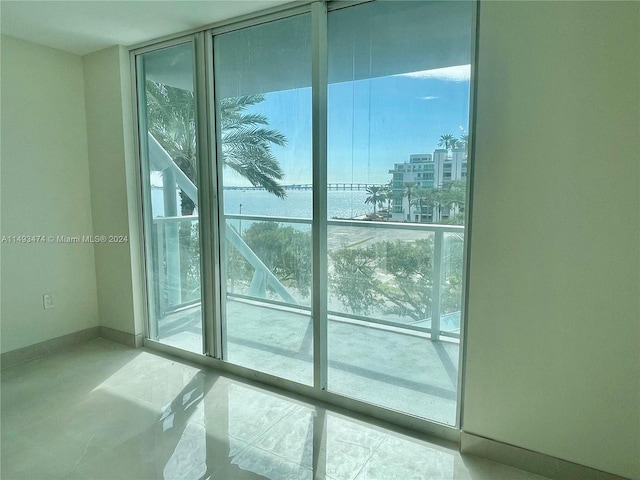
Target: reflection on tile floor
x=99, y=410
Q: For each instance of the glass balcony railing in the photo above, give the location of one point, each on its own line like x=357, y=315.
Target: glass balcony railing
x=176, y=254
x=404, y=276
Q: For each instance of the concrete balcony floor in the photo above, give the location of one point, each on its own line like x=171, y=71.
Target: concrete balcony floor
x=384, y=366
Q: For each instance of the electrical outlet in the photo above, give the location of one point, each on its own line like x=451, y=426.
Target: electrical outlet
x=47, y=300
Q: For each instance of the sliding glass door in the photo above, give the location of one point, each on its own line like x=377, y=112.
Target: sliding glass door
x=169, y=154
x=263, y=108
x=331, y=231
x=398, y=89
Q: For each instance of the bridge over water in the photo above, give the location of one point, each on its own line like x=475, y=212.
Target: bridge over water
x=309, y=186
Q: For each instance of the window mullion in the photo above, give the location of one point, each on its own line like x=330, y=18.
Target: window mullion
x=319, y=71
x=205, y=194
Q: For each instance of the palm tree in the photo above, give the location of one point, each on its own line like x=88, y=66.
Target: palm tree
x=417, y=200
x=171, y=120
x=245, y=146
x=447, y=141
x=452, y=194
x=409, y=190
x=424, y=197
x=434, y=200
x=462, y=142
x=376, y=196
x=246, y=143
x=387, y=193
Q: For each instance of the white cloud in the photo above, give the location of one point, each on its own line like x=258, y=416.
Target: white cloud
x=459, y=73
x=428, y=98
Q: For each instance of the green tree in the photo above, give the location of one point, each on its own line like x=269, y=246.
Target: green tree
x=422, y=198
x=390, y=277
x=376, y=195
x=432, y=199
x=283, y=249
x=462, y=142
x=451, y=284
x=452, y=196
x=447, y=141
x=387, y=193
x=354, y=279
x=409, y=191
x=171, y=120
x=396, y=278
x=245, y=141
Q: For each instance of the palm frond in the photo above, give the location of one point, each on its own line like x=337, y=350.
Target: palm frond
x=246, y=143
x=256, y=136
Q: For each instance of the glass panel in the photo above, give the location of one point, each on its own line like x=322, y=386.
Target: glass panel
x=263, y=104
x=169, y=145
x=398, y=109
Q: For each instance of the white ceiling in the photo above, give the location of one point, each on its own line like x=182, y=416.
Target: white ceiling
x=86, y=26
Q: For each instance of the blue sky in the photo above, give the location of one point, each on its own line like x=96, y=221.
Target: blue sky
x=372, y=123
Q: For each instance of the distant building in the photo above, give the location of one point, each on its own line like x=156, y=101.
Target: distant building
x=426, y=171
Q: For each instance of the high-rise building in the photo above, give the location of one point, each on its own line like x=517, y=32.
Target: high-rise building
x=422, y=171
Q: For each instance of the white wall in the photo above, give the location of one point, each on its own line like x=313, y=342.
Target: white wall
x=45, y=191
x=553, y=362
x=113, y=188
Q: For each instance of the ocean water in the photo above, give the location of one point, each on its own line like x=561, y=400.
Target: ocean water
x=297, y=204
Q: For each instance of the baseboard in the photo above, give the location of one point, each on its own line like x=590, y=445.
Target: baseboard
x=528, y=460
x=124, y=338
x=47, y=347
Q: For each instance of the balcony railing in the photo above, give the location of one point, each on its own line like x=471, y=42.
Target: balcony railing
x=177, y=272
x=176, y=265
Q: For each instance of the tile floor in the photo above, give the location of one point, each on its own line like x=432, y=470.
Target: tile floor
x=99, y=410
